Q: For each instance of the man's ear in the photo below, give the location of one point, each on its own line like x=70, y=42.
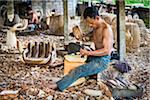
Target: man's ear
x=97, y=17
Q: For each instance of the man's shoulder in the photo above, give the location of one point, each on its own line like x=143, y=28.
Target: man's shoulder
x=104, y=25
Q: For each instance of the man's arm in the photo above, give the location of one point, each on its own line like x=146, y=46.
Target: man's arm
x=106, y=43
x=35, y=18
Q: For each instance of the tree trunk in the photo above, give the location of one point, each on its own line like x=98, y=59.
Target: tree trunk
x=10, y=10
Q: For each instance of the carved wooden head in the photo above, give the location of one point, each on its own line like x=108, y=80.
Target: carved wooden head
x=77, y=32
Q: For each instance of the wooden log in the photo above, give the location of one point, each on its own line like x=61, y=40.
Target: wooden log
x=107, y=17
x=140, y=22
x=129, y=40
x=56, y=25
x=132, y=35
x=135, y=34
x=70, y=63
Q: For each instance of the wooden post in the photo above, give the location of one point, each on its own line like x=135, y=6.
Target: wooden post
x=121, y=28
x=44, y=7
x=65, y=6
x=89, y=3
x=10, y=10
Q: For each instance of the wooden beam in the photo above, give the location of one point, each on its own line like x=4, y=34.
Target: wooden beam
x=121, y=28
x=89, y=3
x=10, y=9
x=65, y=6
x=44, y=7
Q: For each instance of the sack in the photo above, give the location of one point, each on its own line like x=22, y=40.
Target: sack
x=123, y=67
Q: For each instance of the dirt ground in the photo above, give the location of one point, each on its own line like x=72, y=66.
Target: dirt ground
x=14, y=74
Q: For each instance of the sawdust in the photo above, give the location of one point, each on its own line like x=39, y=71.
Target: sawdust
x=14, y=74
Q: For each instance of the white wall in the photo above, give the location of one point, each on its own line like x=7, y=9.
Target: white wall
x=57, y=5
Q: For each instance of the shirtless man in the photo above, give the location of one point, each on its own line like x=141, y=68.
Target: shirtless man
x=33, y=19
x=98, y=59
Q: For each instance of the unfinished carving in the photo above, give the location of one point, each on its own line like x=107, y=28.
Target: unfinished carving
x=40, y=53
x=132, y=34
x=11, y=33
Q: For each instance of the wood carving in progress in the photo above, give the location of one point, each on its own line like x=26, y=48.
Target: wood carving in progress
x=39, y=53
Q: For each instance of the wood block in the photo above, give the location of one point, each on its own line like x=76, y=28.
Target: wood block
x=70, y=65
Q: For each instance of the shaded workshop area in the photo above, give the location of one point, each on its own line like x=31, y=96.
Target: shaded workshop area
x=40, y=42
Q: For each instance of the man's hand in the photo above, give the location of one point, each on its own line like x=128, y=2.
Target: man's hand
x=84, y=52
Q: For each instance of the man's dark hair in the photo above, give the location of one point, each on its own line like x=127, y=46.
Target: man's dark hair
x=91, y=12
x=29, y=8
